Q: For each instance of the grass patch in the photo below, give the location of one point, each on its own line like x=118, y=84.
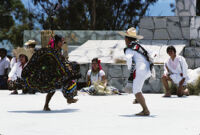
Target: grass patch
x=194, y=88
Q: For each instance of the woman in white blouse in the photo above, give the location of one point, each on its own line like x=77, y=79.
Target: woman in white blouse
x=15, y=73
x=175, y=69
x=96, y=73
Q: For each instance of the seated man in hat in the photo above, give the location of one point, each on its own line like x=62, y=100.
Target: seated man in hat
x=4, y=67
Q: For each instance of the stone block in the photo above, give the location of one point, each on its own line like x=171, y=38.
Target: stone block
x=197, y=22
x=190, y=62
x=198, y=43
x=174, y=19
x=161, y=34
x=145, y=42
x=193, y=33
x=187, y=4
x=119, y=83
x=100, y=35
x=186, y=32
x=152, y=85
x=193, y=42
x=125, y=71
x=160, y=22
x=192, y=22
x=197, y=62
x=184, y=13
x=174, y=30
x=148, y=34
x=193, y=10
x=179, y=5
x=115, y=71
x=185, y=21
x=159, y=42
x=197, y=52
x=105, y=67
x=190, y=52
x=84, y=69
x=36, y=35
x=146, y=23
x=178, y=42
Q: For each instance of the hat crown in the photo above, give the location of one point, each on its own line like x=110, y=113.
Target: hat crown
x=131, y=31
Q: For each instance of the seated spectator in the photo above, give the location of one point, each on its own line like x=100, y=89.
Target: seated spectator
x=4, y=68
x=175, y=70
x=14, y=76
x=97, y=81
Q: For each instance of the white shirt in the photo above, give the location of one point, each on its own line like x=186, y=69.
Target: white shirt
x=179, y=65
x=13, y=61
x=141, y=64
x=4, y=64
x=95, y=77
x=16, y=71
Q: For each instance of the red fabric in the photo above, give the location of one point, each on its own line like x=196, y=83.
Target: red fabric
x=51, y=43
x=134, y=74
x=99, y=63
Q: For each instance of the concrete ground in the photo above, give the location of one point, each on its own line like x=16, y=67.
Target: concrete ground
x=98, y=115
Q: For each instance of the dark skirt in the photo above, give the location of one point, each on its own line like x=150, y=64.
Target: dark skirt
x=47, y=71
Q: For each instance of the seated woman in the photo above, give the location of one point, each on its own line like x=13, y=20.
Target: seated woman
x=15, y=74
x=175, y=70
x=97, y=81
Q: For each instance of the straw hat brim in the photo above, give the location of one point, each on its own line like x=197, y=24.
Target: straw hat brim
x=127, y=35
x=28, y=52
x=30, y=42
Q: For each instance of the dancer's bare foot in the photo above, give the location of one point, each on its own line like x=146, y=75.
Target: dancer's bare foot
x=167, y=94
x=135, y=101
x=46, y=108
x=72, y=100
x=143, y=113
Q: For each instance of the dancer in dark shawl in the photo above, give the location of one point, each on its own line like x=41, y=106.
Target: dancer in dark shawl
x=48, y=71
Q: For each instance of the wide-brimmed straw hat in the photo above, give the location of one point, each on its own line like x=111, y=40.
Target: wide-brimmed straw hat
x=30, y=42
x=131, y=32
x=23, y=51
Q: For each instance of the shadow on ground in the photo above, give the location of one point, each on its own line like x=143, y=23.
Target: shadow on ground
x=133, y=115
x=44, y=112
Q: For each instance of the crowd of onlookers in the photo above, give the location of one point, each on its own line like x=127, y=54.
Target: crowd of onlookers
x=11, y=67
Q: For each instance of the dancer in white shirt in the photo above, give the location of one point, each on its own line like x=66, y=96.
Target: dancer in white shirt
x=141, y=71
x=15, y=74
x=175, y=69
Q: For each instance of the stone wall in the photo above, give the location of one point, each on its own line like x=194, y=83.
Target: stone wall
x=75, y=37
x=174, y=28
x=185, y=8
x=165, y=28
x=117, y=76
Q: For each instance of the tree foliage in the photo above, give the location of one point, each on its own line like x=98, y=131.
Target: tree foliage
x=14, y=21
x=68, y=15
x=92, y=14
